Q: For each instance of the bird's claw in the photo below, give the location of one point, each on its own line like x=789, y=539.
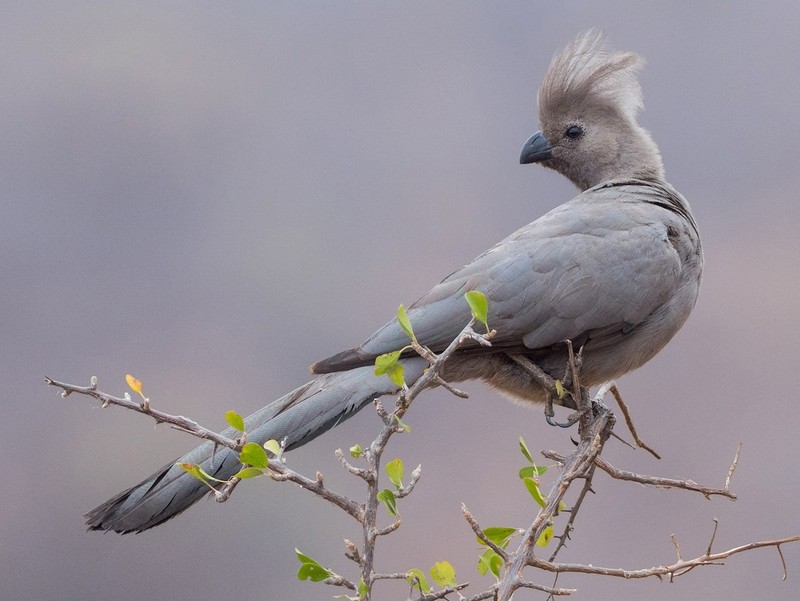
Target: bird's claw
x=549, y=415
x=572, y=419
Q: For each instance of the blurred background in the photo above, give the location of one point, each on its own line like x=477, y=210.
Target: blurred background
x=211, y=196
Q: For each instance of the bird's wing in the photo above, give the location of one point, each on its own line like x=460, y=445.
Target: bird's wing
x=601, y=261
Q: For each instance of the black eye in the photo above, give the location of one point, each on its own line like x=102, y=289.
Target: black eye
x=573, y=132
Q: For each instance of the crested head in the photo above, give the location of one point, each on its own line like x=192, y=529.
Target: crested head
x=588, y=104
x=587, y=75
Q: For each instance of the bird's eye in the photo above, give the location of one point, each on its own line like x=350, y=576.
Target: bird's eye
x=573, y=132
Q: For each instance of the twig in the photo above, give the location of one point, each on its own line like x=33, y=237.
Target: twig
x=280, y=473
x=577, y=465
x=432, y=376
x=473, y=523
x=629, y=421
x=661, y=482
x=676, y=569
x=178, y=422
x=573, y=513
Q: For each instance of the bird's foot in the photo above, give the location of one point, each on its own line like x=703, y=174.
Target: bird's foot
x=549, y=415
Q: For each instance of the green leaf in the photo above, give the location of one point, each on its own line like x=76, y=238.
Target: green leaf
x=363, y=591
x=310, y=569
x=532, y=471
x=395, y=374
x=562, y=506
x=443, y=574
x=416, y=577
x=499, y=535
x=386, y=361
x=254, y=454
x=478, y=305
x=405, y=322
x=533, y=488
x=273, y=446
x=544, y=538
x=386, y=497
x=235, y=420
x=314, y=573
x=249, y=472
x=387, y=364
x=356, y=451
x=394, y=469
x=403, y=426
x=194, y=470
x=489, y=561
x=524, y=448
x=199, y=473
x=560, y=390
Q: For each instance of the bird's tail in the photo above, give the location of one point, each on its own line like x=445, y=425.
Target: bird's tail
x=298, y=417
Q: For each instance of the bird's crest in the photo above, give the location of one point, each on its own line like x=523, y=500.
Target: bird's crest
x=587, y=73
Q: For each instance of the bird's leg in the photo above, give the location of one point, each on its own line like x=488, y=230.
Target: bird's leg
x=579, y=394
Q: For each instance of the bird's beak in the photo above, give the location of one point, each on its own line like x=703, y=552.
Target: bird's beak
x=535, y=149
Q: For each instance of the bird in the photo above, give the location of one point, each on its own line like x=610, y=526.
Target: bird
x=616, y=271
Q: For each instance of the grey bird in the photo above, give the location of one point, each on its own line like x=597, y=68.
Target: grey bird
x=616, y=270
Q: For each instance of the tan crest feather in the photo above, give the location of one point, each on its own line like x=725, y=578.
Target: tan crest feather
x=585, y=72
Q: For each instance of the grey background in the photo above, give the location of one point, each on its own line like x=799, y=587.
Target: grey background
x=213, y=195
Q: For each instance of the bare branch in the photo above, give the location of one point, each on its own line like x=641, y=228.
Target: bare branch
x=178, y=422
x=629, y=421
x=280, y=473
x=663, y=482
x=546, y=589
x=673, y=570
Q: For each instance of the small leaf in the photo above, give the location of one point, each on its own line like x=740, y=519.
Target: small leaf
x=135, y=385
x=386, y=497
x=356, y=451
x=443, y=574
x=235, y=420
x=562, y=506
x=532, y=471
x=312, y=572
x=524, y=448
x=249, y=472
x=197, y=472
x=395, y=374
x=310, y=569
x=253, y=454
x=273, y=446
x=388, y=364
x=394, y=469
x=533, y=488
x=544, y=538
x=416, y=577
x=560, y=390
x=403, y=426
x=386, y=361
x=499, y=535
x=478, y=305
x=363, y=591
x=489, y=561
x=405, y=322
x=194, y=470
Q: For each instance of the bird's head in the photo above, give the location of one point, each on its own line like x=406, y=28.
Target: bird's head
x=588, y=104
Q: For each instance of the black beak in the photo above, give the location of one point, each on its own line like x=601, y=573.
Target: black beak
x=535, y=149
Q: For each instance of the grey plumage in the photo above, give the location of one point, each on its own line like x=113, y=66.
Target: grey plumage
x=616, y=270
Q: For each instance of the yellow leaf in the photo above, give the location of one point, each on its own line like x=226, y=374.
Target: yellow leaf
x=544, y=538
x=136, y=385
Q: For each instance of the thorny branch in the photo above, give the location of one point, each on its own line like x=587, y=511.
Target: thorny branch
x=366, y=513
x=595, y=427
